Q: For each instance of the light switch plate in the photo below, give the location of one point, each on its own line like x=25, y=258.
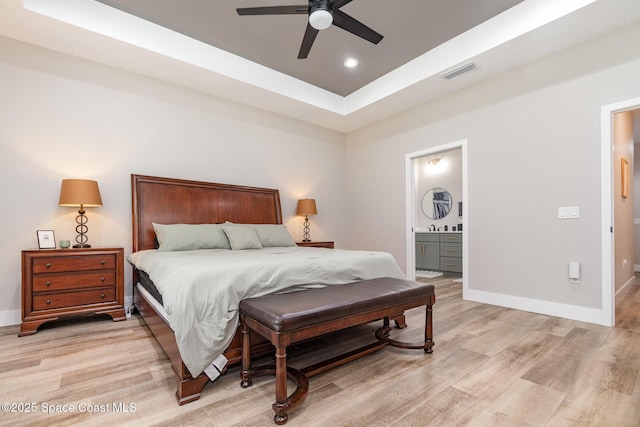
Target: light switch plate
x=570, y=212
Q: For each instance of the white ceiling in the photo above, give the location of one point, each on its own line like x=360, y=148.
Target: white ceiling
x=399, y=73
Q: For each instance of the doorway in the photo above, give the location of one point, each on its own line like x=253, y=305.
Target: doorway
x=612, y=179
x=412, y=195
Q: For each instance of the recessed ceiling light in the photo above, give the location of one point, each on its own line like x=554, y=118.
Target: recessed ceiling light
x=351, y=62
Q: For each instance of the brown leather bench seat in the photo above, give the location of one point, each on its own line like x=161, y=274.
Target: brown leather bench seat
x=291, y=317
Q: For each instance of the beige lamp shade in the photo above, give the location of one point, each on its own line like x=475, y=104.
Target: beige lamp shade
x=80, y=192
x=306, y=207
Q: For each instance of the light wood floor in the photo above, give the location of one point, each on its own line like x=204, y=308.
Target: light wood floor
x=491, y=366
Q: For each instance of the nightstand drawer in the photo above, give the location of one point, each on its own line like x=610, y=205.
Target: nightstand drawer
x=70, y=299
x=56, y=282
x=74, y=263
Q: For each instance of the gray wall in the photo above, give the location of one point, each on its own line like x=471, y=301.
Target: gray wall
x=62, y=117
x=533, y=146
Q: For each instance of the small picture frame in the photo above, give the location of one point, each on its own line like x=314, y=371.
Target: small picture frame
x=46, y=239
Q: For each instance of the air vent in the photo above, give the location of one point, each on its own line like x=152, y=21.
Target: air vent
x=458, y=70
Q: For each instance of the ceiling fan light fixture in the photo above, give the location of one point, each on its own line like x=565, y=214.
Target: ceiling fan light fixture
x=320, y=16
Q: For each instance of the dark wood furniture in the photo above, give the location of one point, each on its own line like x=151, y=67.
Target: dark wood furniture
x=63, y=283
x=173, y=201
x=328, y=245
x=289, y=318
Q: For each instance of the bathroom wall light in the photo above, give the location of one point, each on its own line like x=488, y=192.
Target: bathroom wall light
x=436, y=165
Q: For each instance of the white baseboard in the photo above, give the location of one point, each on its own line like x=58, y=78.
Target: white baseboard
x=624, y=288
x=14, y=317
x=573, y=312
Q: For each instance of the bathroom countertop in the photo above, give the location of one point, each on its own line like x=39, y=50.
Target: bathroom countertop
x=420, y=230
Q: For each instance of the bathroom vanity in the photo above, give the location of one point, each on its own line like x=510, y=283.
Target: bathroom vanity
x=440, y=251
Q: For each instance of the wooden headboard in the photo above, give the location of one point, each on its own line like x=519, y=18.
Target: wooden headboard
x=178, y=201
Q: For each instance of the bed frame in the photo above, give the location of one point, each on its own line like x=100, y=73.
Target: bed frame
x=174, y=201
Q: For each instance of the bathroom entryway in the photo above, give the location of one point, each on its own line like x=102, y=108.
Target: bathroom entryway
x=436, y=200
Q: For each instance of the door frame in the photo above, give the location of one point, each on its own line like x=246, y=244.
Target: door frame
x=410, y=173
x=608, y=212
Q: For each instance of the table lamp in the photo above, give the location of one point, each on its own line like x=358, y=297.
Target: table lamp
x=306, y=207
x=85, y=194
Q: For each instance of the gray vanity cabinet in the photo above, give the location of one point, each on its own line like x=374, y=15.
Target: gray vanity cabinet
x=427, y=251
x=451, y=252
x=439, y=251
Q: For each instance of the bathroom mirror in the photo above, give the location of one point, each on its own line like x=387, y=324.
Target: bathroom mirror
x=436, y=203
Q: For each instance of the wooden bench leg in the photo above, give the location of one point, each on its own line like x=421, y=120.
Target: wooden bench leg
x=245, y=374
x=383, y=333
x=428, y=327
x=281, y=405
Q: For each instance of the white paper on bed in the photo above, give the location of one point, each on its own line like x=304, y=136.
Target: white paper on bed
x=202, y=289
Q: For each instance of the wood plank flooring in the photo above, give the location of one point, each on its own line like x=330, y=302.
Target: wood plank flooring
x=491, y=366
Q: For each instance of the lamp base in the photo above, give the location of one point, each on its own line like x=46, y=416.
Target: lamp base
x=306, y=240
x=82, y=245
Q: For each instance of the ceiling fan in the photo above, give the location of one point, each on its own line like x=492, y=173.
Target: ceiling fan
x=322, y=13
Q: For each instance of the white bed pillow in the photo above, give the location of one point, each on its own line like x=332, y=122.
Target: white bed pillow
x=274, y=235
x=242, y=237
x=186, y=237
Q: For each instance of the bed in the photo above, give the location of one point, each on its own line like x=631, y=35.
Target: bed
x=167, y=201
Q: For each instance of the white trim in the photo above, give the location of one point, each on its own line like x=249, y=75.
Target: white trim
x=10, y=317
x=574, y=312
x=409, y=193
x=625, y=289
x=514, y=22
x=606, y=167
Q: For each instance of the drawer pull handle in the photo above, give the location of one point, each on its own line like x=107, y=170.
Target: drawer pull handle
x=48, y=283
x=102, y=262
x=102, y=279
x=102, y=296
x=450, y=264
x=48, y=265
x=48, y=301
x=450, y=250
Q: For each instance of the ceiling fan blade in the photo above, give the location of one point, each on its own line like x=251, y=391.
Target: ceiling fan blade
x=307, y=41
x=347, y=23
x=274, y=10
x=337, y=4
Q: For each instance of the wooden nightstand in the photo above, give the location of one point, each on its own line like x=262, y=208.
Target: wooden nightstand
x=63, y=283
x=328, y=245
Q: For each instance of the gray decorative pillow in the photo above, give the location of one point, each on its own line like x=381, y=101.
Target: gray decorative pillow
x=186, y=237
x=274, y=235
x=242, y=237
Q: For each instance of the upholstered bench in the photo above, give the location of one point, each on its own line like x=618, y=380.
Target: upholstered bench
x=288, y=318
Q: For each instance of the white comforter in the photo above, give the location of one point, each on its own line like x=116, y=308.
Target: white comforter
x=202, y=289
